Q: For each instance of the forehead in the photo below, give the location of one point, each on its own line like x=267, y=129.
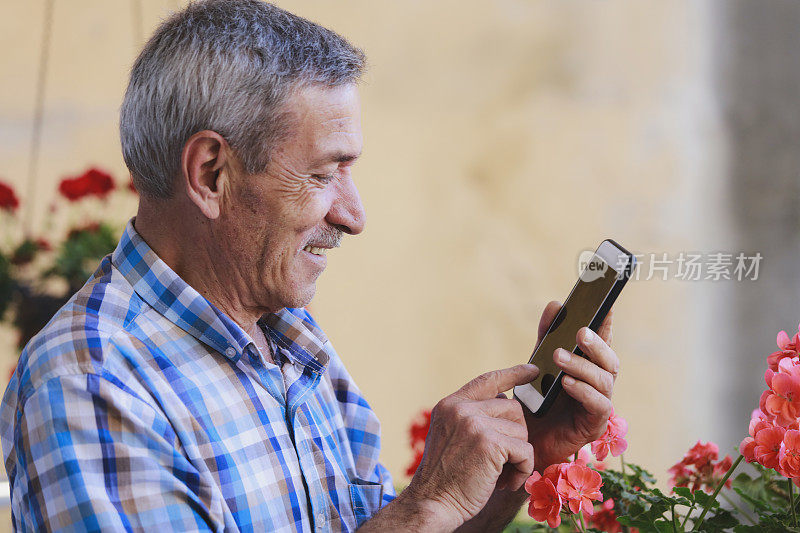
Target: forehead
x=326, y=123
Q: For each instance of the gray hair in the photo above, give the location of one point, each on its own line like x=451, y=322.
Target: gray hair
x=226, y=66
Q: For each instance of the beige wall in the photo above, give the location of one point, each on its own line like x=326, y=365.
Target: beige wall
x=502, y=138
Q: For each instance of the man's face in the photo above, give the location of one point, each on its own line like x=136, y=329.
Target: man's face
x=281, y=223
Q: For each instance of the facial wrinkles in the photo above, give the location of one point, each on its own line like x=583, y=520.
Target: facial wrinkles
x=298, y=191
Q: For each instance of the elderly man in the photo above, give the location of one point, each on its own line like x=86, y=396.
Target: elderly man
x=184, y=386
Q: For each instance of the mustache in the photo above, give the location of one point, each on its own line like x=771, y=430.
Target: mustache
x=326, y=238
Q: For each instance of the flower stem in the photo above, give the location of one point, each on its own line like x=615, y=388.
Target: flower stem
x=791, y=502
x=574, y=523
x=688, y=514
x=583, y=527
x=674, y=527
x=622, y=465
x=716, y=491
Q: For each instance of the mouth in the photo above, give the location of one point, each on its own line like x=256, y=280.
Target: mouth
x=315, y=250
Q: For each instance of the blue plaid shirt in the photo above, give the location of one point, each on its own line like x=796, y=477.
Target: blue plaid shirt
x=142, y=406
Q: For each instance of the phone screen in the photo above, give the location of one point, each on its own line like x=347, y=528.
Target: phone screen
x=578, y=311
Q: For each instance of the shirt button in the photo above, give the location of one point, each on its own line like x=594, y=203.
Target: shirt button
x=230, y=352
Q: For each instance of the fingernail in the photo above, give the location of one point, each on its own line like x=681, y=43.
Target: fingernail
x=588, y=335
x=569, y=380
x=563, y=356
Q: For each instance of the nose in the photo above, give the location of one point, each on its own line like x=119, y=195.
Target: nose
x=347, y=212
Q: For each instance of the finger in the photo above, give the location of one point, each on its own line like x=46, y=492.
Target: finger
x=519, y=453
x=605, y=330
x=595, y=404
x=548, y=315
x=489, y=385
x=502, y=408
x=585, y=371
x=596, y=349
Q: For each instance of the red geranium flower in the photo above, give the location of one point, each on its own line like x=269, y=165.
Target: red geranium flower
x=93, y=182
x=417, y=433
x=605, y=519
x=8, y=200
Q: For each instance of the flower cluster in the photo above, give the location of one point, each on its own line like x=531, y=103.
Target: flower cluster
x=697, y=469
x=8, y=200
x=417, y=433
x=613, y=440
x=563, y=486
x=573, y=486
x=93, y=182
x=774, y=440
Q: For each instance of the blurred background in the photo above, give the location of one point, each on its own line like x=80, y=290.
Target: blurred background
x=501, y=140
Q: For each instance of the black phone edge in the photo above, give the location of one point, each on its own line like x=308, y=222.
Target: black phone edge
x=594, y=325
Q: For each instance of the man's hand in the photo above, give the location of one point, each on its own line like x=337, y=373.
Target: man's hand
x=580, y=413
x=578, y=416
x=473, y=434
x=476, y=431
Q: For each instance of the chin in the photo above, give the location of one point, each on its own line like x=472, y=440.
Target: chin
x=301, y=297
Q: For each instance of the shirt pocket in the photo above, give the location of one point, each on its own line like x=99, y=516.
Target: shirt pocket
x=366, y=498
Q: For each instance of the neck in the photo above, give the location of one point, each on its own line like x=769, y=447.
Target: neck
x=181, y=237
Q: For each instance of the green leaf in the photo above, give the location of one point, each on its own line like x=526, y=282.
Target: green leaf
x=685, y=492
x=759, y=504
x=705, y=500
x=663, y=526
x=7, y=284
x=79, y=254
x=721, y=521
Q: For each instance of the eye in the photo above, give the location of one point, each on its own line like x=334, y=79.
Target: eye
x=323, y=178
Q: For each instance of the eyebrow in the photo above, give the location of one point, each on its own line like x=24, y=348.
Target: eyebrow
x=337, y=157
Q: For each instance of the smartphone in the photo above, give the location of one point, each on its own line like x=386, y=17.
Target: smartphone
x=603, y=274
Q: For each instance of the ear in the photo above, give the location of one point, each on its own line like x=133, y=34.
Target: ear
x=205, y=165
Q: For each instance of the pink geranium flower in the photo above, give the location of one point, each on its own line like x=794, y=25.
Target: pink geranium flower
x=579, y=487
x=701, y=454
x=789, y=454
x=767, y=445
x=697, y=469
x=748, y=449
x=612, y=441
x=782, y=400
x=545, y=503
x=788, y=347
x=680, y=475
x=719, y=471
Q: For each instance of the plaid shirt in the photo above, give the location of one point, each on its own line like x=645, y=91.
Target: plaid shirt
x=142, y=406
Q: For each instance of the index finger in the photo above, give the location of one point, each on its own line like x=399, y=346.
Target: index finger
x=489, y=385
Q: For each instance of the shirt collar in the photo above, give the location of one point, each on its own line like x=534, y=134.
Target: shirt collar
x=296, y=332
x=158, y=285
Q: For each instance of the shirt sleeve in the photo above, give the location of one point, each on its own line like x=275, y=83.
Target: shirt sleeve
x=93, y=456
